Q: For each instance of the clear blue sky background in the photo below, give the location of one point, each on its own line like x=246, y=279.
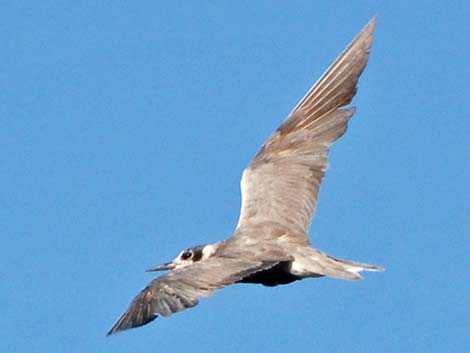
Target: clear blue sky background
x=125, y=127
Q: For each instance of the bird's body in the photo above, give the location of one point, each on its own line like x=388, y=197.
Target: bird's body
x=280, y=188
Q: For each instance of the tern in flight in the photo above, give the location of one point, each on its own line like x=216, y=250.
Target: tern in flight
x=270, y=245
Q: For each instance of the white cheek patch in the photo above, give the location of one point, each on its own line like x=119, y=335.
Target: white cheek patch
x=209, y=250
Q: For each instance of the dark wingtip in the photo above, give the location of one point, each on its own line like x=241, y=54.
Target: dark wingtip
x=126, y=323
x=114, y=329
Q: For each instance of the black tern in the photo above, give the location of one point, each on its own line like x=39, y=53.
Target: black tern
x=270, y=245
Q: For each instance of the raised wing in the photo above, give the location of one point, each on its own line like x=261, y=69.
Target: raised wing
x=182, y=288
x=282, y=183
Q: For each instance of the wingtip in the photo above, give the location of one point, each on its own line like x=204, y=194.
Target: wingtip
x=369, y=28
x=130, y=320
x=372, y=22
x=112, y=331
x=366, y=34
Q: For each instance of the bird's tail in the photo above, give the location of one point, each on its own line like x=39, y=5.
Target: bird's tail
x=349, y=269
x=332, y=266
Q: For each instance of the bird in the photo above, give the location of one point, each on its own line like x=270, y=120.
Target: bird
x=270, y=245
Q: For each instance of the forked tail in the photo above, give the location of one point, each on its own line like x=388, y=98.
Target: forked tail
x=345, y=269
x=318, y=263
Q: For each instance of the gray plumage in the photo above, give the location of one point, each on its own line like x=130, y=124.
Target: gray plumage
x=279, y=195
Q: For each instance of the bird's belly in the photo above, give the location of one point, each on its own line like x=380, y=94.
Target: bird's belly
x=278, y=274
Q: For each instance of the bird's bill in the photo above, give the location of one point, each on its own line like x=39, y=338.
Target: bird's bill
x=167, y=266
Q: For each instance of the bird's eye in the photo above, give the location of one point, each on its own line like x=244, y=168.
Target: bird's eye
x=186, y=255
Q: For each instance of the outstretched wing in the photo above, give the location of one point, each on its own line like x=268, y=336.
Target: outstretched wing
x=282, y=183
x=182, y=288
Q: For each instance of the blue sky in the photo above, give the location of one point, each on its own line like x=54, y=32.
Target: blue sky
x=124, y=131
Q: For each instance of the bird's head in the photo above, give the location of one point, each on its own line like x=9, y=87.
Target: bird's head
x=188, y=257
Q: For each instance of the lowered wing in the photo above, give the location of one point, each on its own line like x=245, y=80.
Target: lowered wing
x=182, y=288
